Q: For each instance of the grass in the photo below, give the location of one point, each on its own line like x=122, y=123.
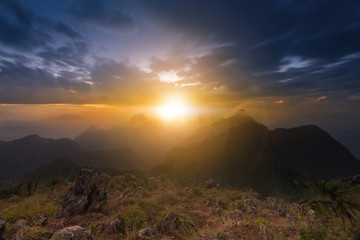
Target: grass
x=196, y=210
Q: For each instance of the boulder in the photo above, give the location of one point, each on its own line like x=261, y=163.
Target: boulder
x=86, y=194
x=72, y=233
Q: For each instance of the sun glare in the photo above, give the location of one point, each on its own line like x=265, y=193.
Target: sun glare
x=173, y=109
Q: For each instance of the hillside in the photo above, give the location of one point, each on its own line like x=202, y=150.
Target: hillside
x=250, y=155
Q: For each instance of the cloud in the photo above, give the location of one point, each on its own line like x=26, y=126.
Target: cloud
x=22, y=29
x=71, y=54
x=294, y=62
x=97, y=12
x=20, y=83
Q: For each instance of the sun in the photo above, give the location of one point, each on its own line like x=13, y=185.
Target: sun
x=173, y=109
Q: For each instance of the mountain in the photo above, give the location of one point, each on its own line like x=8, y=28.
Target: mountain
x=248, y=154
x=22, y=155
x=148, y=137
x=218, y=127
x=26, y=155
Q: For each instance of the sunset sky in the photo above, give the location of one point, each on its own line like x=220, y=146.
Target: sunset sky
x=65, y=65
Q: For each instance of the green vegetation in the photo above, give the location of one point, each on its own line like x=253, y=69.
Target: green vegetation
x=192, y=212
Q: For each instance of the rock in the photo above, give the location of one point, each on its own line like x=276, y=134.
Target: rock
x=146, y=232
x=72, y=233
x=210, y=183
x=19, y=224
x=86, y=194
x=169, y=224
x=250, y=205
x=2, y=226
x=40, y=220
x=265, y=232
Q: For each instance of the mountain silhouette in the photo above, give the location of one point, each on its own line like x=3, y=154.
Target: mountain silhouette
x=26, y=155
x=22, y=155
x=146, y=136
x=248, y=154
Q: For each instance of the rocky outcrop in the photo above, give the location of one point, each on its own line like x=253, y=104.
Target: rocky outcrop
x=72, y=233
x=86, y=194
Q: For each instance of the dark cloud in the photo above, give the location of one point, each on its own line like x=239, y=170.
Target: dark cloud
x=17, y=26
x=99, y=13
x=66, y=30
x=22, y=29
x=265, y=32
x=267, y=48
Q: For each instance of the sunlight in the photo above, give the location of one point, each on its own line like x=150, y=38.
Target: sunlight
x=173, y=109
x=169, y=77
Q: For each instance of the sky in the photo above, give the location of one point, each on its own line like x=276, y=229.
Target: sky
x=66, y=64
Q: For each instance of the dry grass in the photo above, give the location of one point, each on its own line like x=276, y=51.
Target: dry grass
x=203, y=213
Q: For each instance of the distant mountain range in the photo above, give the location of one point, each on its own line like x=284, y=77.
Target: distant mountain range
x=248, y=154
x=237, y=151
x=21, y=156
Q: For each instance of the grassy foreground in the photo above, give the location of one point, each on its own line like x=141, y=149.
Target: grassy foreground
x=137, y=206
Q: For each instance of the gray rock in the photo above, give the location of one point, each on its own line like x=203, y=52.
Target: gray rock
x=86, y=194
x=72, y=233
